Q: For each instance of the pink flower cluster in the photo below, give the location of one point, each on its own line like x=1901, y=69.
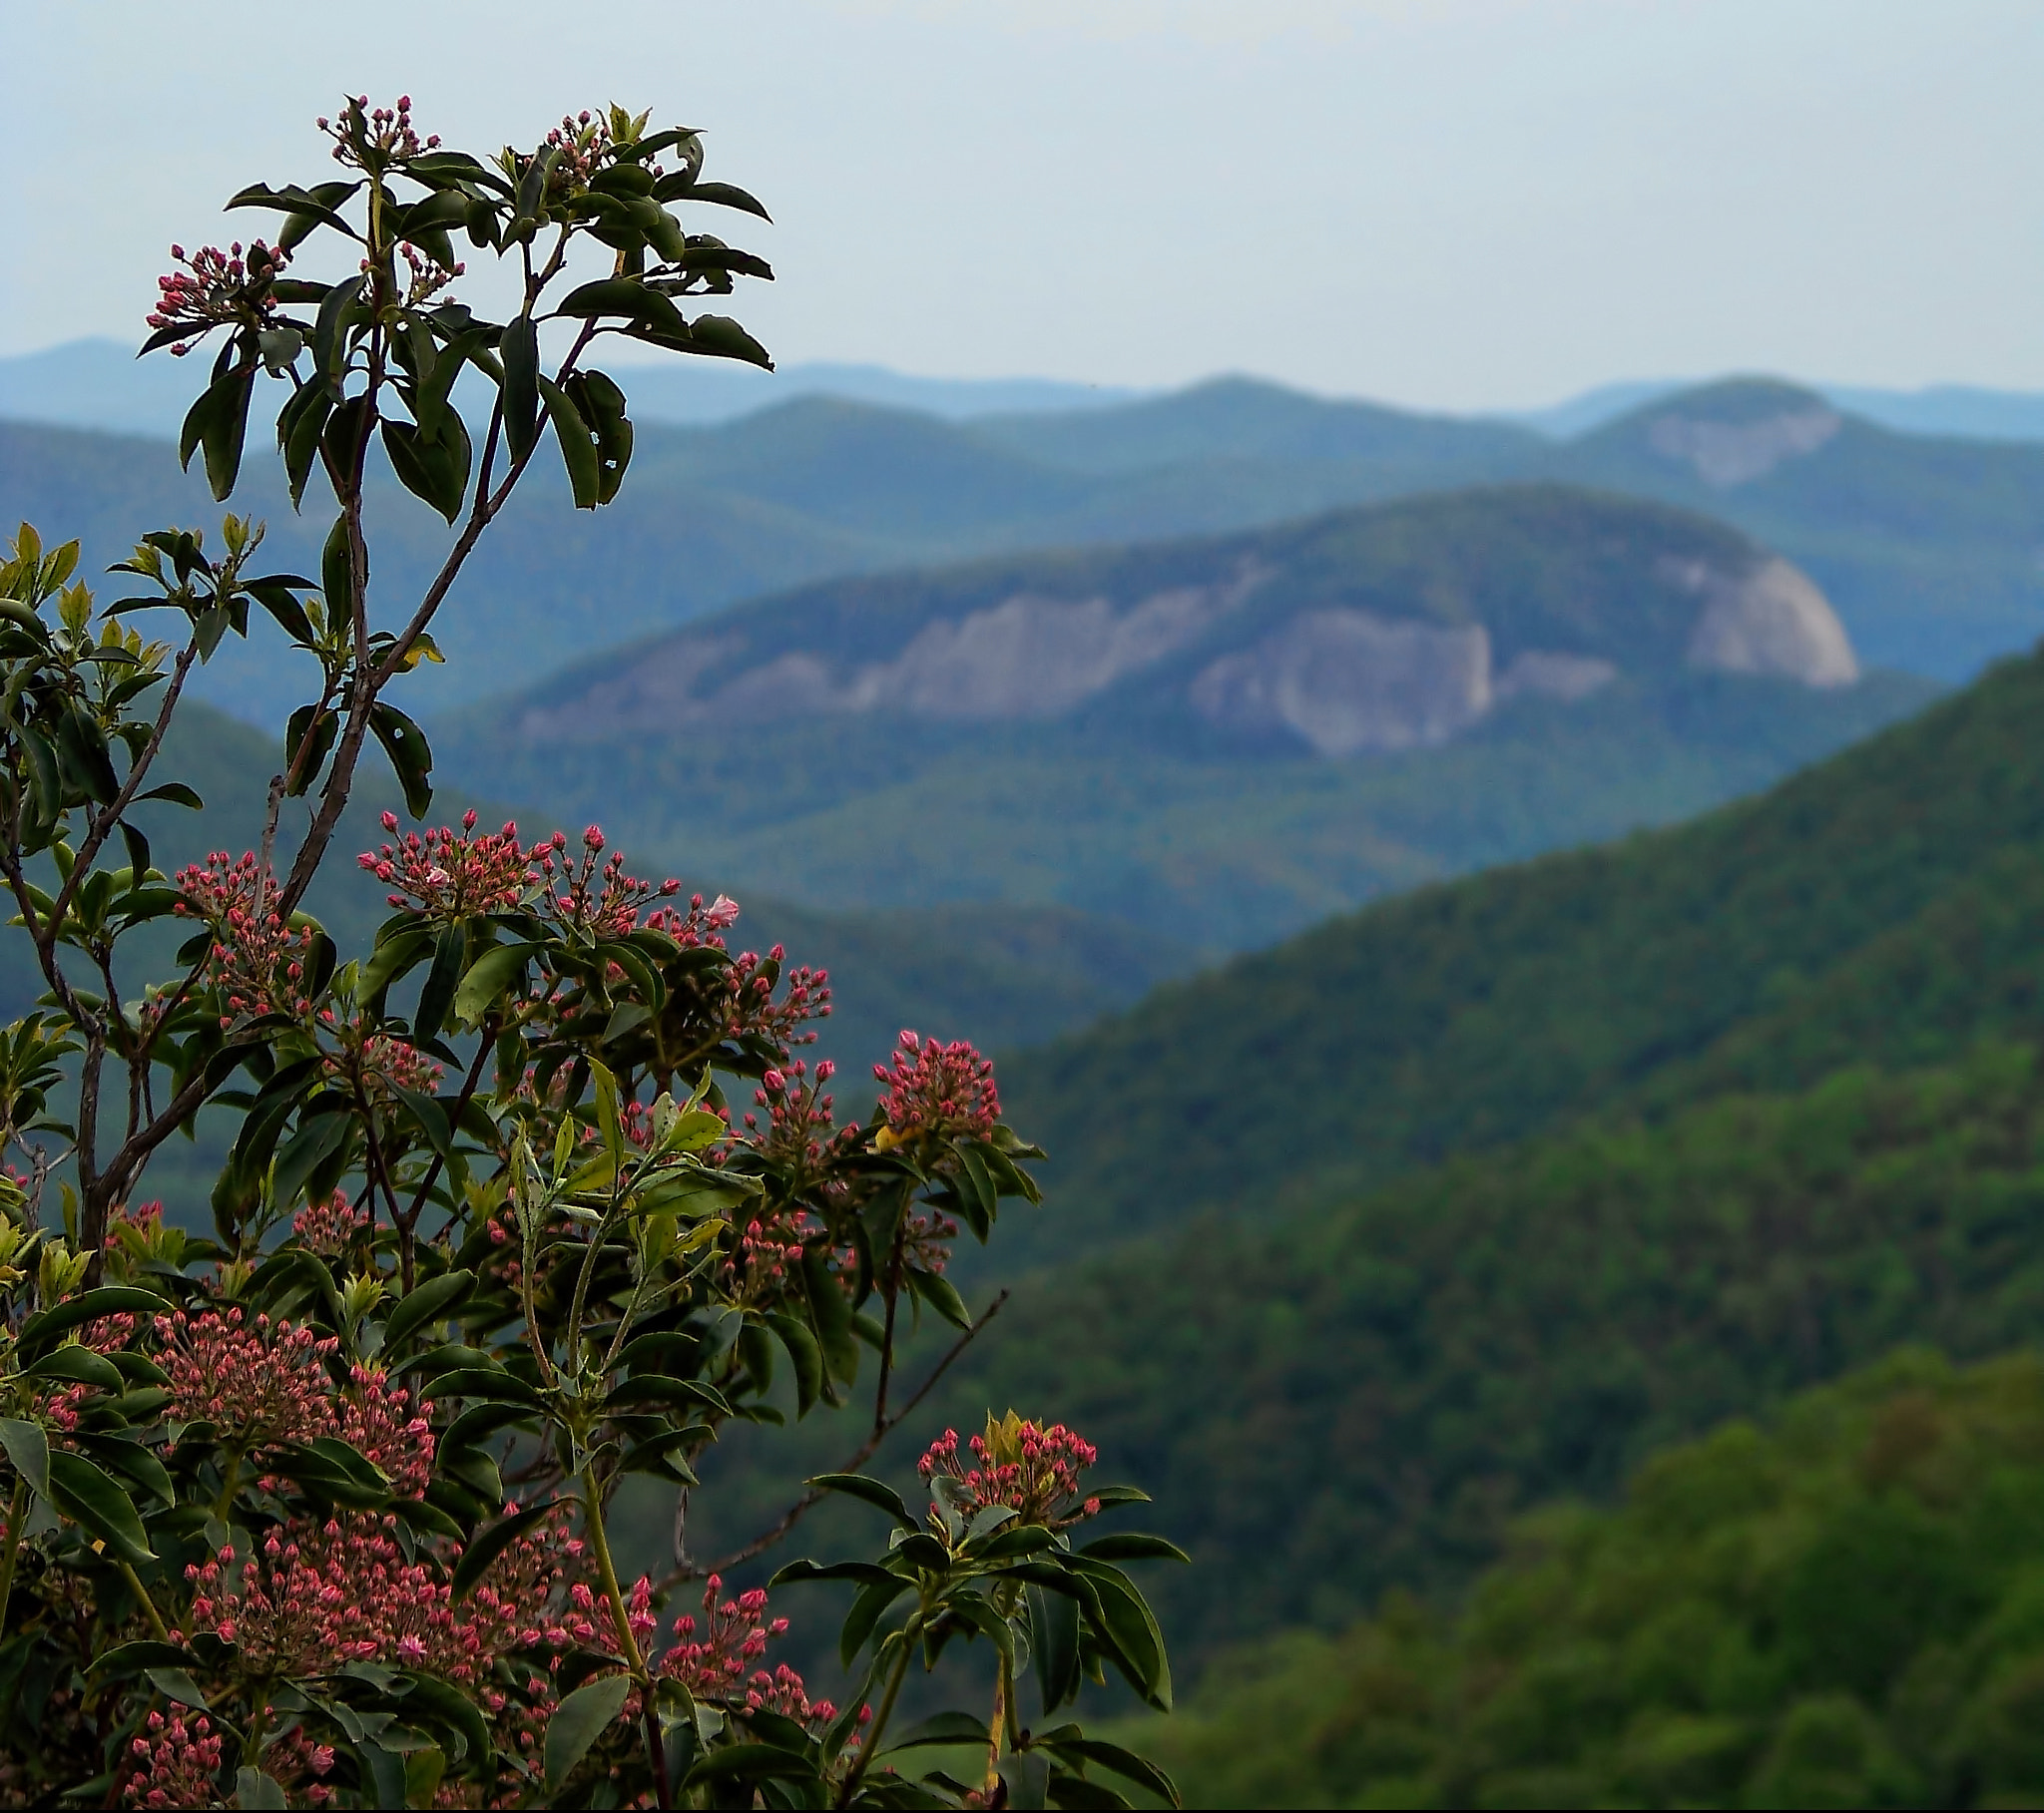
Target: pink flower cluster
x=700, y=923
x=256, y=960
x=592, y=1621
x=942, y=1091
x=581, y=142
x=382, y=1422
x=316, y=1595
x=1040, y=1482
x=175, y=1764
x=713, y=1664
x=428, y=277
x=748, y=1004
x=592, y=894
x=331, y=1228
x=392, y=1063
x=449, y=877
x=216, y=289
x=263, y=1382
x=257, y=1382
x=387, y=130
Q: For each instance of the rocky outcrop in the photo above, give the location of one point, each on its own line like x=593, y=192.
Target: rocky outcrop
x=1347, y=680
x=1343, y=681
x=1027, y=657
x=1724, y=454
x=1769, y=619
x=1541, y=673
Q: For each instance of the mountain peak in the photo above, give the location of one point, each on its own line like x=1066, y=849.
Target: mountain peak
x=1733, y=432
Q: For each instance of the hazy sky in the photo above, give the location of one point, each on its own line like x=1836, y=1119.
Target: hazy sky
x=1446, y=203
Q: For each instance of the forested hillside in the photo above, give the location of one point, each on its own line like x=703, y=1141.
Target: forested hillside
x=1762, y=1101
x=1880, y=907
x=1837, y=1604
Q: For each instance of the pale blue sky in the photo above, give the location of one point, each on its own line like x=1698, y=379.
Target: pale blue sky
x=1445, y=203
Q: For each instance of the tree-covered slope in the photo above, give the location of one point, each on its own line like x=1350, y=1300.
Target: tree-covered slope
x=1346, y=1395
x=1839, y=1604
x=1880, y=906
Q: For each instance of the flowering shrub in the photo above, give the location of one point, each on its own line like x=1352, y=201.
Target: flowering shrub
x=312, y=1508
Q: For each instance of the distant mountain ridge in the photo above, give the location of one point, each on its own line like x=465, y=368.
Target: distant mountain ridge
x=1388, y=627
x=1928, y=549
x=99, y=384
x=1220, y=739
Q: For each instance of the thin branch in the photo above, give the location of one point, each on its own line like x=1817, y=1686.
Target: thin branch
x=103, y=825
x=468, y=1089
x=767, y=1539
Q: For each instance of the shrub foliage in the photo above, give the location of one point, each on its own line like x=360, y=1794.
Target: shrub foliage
x=312, y=1508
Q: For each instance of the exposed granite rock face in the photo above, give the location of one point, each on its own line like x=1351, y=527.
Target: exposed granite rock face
x=1541, y=673
x=1347, y=680
x=1724, y=454
x=1027, y=657
x=1344, y=678
x=1770, y=619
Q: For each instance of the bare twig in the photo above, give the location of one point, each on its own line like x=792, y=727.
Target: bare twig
x=775, y=1532
x=103, y=825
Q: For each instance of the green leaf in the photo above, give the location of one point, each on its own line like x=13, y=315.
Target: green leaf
x=132, y=1460
x=433, y=470
x=603, y=407
x=1129, y=1546
x=1053, y=1646
x=223, y=426
x=177, y=1685
x=29, y=1449
x=489, y=1542
x=831, y=1315
x=336, y=573
x=1112, y=1757
x=489, y=1383
x=75, y=1312
x=316, y=1141
x=85, y=1495
x=580, y=1721
x=867, y=1610
x=487, y=979
x=410, y=756
x=454, y=1709
x=177, y=792
x=428, y=1304
x=76, y=1365
x=626, y=298
x=656, y=1388
x=870, y=1573
x=436, y=994
x=880, y=1496
x=1125, y=1621
x=941, y=1729
x=128, y=1660
x=719, y=337
x=753, y=1762
x=807, y=1356
x=578, y=446
x=724, y=194
x=252, y=1788
x=519, y=351
x=941, y=1295
x=82, y=749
